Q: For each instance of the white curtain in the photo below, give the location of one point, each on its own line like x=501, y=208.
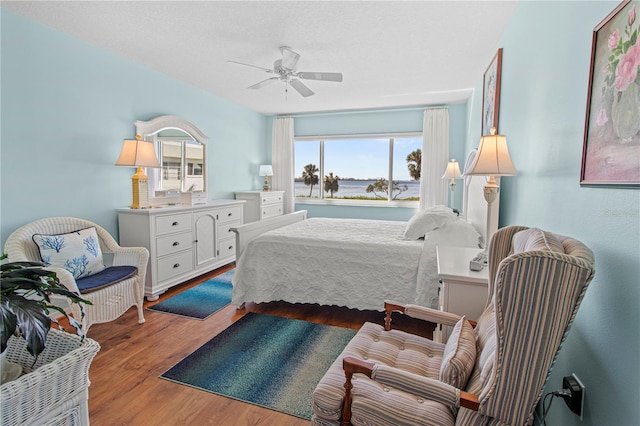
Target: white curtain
x=282, y=160
x=435, y=156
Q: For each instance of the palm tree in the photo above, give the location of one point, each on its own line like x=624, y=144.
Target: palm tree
x=382, y=185
x=310, y=176
x=414, y=162
x=331, y=183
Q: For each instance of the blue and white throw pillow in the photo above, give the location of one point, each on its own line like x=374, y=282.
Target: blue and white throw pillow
x=78, y=252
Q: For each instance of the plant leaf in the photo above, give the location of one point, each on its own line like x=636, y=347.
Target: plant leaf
x=9, y=324
x=32, y=322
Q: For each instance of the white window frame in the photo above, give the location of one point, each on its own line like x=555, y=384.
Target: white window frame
x=373, y=203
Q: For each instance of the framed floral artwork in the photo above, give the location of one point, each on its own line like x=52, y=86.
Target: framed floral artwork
x=611, y=149
x=491, y=94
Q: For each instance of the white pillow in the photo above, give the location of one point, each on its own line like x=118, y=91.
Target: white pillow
x=428, y=220
x=459, y=233
x=78, y=252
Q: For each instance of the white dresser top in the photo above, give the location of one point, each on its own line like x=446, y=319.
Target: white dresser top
x=180, y=207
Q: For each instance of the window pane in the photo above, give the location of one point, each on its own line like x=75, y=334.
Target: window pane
x=307, y=169
x=194, y=154
x=358, y=163
x=407, y=153
x=171, y=160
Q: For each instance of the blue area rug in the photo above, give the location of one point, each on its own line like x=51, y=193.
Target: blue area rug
x=265, y=360
x=200, y=301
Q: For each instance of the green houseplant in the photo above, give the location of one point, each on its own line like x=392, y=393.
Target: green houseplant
x=25, y=303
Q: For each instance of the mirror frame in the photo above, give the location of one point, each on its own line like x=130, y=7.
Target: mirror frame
x=148, y=130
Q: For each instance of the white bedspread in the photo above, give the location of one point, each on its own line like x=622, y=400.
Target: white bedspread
x=344, y=262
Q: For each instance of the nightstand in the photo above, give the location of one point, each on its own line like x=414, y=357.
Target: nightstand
x=261, y=204
x=462, y=291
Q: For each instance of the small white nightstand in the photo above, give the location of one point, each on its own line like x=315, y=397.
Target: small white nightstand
x=261, y=204
x=462, y=291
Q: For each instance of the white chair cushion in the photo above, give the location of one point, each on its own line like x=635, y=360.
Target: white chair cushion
x=459, y=355
x=78, y=252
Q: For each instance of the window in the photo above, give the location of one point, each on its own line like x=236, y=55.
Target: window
x=182, y=164
x=358, y=168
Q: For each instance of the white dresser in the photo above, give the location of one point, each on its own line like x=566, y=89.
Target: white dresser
x=462, y=291
x=183, y=241
x=261, y=204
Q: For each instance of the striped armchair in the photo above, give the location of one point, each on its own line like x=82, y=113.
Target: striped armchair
x=492, y=374
x=112, y=291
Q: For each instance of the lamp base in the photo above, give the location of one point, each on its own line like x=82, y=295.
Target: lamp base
x=267, y=184
x=140, y=190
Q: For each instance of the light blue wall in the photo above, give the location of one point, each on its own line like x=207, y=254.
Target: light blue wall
x=545, y=75
x=67, y=106
x=388, y=121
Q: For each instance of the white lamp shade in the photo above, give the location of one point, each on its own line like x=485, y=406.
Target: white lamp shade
x=137, y=153
x=452, y=171
x=493, y=157
x=266, y=170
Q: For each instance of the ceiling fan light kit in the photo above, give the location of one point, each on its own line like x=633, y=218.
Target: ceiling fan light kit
x=286, y=71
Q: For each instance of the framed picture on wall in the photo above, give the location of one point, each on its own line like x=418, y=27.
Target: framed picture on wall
x=491, y=94
x=611, y=148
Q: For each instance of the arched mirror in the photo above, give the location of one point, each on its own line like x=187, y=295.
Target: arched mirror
x=181, y=150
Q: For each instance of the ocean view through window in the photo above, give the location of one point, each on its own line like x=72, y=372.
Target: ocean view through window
x=366, y=168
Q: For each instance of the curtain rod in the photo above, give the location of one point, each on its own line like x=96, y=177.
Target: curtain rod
x=360, y=111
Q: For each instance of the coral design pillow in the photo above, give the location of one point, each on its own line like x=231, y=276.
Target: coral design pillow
x=459, y=355
x=78, y=252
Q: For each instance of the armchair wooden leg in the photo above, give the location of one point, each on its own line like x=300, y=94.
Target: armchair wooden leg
x=352, y=365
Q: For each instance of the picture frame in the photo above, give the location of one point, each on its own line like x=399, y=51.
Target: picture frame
x=611, y=145
x=491, y=94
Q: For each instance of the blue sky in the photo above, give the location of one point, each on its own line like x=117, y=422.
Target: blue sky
x=357, y=158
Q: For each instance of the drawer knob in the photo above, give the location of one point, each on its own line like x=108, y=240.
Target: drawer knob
x=174, y=224
x=229, y=214
x=176, y=243
x=230, y=247
x=177, y=265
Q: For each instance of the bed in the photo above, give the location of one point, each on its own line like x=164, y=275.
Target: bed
x=354, y=263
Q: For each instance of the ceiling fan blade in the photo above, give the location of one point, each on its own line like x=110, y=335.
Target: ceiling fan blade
x=263, y=83
x=301, y=88
x=289, y=58
x=254, y=66
x=324, y=76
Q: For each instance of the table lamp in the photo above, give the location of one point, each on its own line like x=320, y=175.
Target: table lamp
x=266, y=170
x=452, y=173
x=138, y=153
x=493, y=160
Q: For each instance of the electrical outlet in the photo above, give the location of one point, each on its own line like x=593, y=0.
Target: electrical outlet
x=575, y=397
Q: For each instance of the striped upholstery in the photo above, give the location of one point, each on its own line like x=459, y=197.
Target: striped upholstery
x=459, y=355
x=534, y=296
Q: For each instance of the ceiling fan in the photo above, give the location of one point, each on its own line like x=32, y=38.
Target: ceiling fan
x=285, y=70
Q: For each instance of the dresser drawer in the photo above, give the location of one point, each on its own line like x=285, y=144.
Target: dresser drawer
x=230, y=213
x=172, y=266
x=173, y=223
x=271, y=211
x=224, y=229
x=227, y=248
x=268, y=198
x=174, y=243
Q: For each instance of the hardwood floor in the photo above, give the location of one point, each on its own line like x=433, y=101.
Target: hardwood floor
x=125, y=385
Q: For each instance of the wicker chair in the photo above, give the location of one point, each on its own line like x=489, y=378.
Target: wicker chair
x=54, y=390
x=109, y=302
x=489, y=375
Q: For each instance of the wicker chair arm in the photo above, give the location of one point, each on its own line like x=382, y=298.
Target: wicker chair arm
x=134, y=256
x=65, y=277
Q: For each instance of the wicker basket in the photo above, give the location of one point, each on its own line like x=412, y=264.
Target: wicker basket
x=53, y=391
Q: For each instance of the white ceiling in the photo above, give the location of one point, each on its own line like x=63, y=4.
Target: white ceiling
x=391, y=53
